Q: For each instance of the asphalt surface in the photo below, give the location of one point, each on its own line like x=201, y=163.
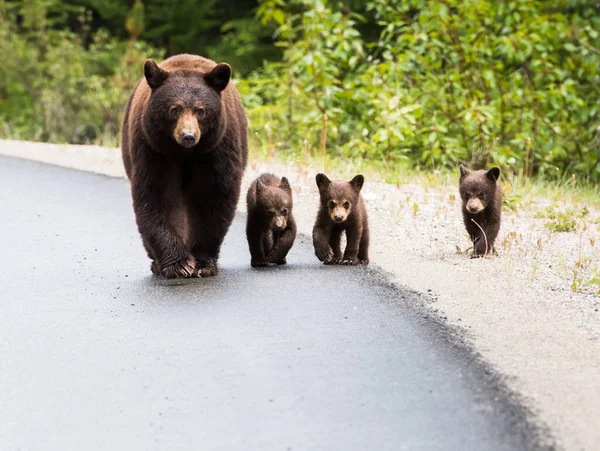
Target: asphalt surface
x=97, y=354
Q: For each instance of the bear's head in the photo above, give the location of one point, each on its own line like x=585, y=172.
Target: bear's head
x=184, y=104
x=338, y=198
x=477, y=188
x=275, y=203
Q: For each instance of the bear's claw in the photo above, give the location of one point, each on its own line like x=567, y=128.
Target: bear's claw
x=181, y=269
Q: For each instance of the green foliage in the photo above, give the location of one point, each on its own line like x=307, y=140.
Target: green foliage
x=510, y=83
x=426, y=84
x=563, y=219
x=53, y=89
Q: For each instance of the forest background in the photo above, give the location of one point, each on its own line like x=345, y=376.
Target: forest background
x=411, y=83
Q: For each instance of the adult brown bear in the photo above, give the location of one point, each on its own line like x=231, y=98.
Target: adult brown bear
x=185, y=148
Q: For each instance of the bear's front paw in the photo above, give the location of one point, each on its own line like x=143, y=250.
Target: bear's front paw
x=364, y=262
x=350, y=261
x=283, y=261
x=179, y=270
x=259, y=263
x=325, y=254
x=206, y=271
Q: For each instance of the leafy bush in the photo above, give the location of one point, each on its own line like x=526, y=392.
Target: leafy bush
x=510, y=83
x=54, y=89
x=396, y=82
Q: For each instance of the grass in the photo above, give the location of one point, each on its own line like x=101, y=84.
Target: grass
x=518, y=190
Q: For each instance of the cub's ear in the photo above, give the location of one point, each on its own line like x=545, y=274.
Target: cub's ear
x=493, y=173
x=463, y=171
x=259, y=186
x=322, y=181
x=285, y=185
x=218, y=78
x=357, y=182
x=155, y=76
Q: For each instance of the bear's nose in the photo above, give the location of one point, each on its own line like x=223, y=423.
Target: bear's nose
x=338, y=218
x=188, y=139
x=473, y=209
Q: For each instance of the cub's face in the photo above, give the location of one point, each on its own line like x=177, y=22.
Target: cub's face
x=477, y=188
x=339, y=197
x=275, y=203
x=185, y=104
x=339, y=208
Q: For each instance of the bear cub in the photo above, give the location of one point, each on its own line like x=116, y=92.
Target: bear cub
x=342, y=210
x=271, y=229
x=481, y=195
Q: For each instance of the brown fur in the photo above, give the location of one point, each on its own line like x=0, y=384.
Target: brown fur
x=271, y=228
x=481, y=195
x=184, y=150
x=342, y=210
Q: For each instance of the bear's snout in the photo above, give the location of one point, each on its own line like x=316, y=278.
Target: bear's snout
x=188, y=139
x=279, y=224
x=474, y=206
x=187, y=131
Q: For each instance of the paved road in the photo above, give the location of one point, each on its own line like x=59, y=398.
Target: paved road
x=96, y=354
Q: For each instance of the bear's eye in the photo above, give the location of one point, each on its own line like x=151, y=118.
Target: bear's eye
x=346, y=205
x=175, y=111
x=284, y=212
x=270, y=214
x=466, y=196
x=331, y=204
x=480, y=195
x=199, y=111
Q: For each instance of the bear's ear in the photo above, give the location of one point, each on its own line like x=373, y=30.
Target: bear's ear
x=493, y=174
x=259, y=186
x=463, y=171
x=285, y=185
x=218, y=78
x=155, y=76
x=322, y=181
x=357, y=182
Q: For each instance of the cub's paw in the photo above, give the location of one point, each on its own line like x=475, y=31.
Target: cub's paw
x=283, y=261
x=259, y=263
x=350, y=261
x=155, y=268
x=364, y=262
x=179, y=270
x=206, y=271
x=325, y=254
